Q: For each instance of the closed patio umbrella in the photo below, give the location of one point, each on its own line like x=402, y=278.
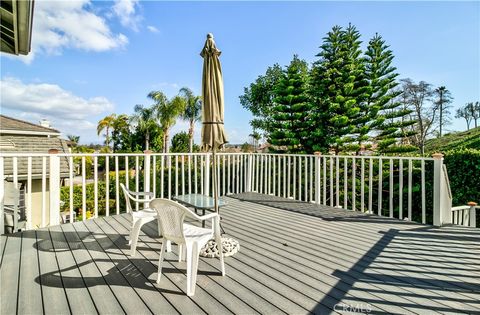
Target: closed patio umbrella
x=213, y=132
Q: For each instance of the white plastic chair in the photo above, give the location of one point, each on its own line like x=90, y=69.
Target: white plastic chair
x=139, y=217
x=171, y=217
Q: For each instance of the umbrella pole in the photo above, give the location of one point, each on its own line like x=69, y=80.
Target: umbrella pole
x=215, y=188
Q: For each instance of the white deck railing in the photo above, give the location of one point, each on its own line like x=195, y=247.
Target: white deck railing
x=408, y=188
x=465, y=215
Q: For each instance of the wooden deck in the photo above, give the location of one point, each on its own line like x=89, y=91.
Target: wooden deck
x=295, y=258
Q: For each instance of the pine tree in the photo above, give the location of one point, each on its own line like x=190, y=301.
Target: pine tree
x=291, y=109
x=444, y=98
x=338, y=90
x=382, y=112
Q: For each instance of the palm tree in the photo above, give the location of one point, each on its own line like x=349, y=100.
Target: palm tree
x=105, y=124
x=74, y=140
x=167, y=112
x=444, y=98
x=192, y=113
x=144, y=117
x=256, y=137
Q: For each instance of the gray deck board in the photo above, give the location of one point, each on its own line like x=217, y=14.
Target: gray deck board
x=124, y=294
x=53, y=293
x=103, y=297
x=311, y=262
x=122, y=272
x=313, y=258
x=29, y=293
x=295, y=258
x=342, y=249
x=78, y=295
x=9, y=274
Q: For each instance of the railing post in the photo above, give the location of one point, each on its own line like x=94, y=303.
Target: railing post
x=206, y=179
x=249, y=172
x=473, y=214
x=146, y=174
x=54, y=187
x=146, y=171
x=318, y=179
x=2, y=195
x=438, y=211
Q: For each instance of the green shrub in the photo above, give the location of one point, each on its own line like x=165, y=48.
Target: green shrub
x=463, y=168
x=90, y=198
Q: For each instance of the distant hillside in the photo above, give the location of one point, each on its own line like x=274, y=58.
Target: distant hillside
x=467, y=139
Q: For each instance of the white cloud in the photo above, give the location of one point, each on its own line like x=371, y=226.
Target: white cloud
x=51, y=100
x=85, y=129
x=125, y=10
x=152, y=29
x=67, y=112
x=59, y=25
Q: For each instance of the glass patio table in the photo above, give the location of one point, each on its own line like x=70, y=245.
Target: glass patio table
x=199, y=202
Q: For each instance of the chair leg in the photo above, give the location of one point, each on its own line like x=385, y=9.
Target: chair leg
x=134, y=220
x=189, y=268
x=180, y=252
x=160, y=260
x=169, y=246
x=134, y=236
x=194, y=266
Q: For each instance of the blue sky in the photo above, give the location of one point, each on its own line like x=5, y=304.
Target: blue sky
x=90, y=59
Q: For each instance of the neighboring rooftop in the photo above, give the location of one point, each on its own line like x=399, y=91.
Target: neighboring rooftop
x=18, y=136
x=9, y=124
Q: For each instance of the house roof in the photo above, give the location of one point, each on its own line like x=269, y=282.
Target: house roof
x=16, y=126
x=31, y=144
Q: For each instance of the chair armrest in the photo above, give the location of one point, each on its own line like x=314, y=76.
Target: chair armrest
x=141, y=200
x=142, y=193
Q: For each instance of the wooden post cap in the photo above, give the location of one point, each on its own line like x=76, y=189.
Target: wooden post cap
x=472, y=204
x=53, y=151
x=437, y=155
x=148, y=151
x=317, y=153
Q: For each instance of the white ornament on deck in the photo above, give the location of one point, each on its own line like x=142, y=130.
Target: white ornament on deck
x=230, y=247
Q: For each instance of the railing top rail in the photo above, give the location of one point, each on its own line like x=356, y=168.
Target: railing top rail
x=353, y=156
x=17, y=154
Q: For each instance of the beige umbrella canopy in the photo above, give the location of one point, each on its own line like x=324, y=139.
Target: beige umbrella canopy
x=213, y=132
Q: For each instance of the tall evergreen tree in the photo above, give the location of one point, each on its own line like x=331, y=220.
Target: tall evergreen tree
x=338, y=90
x=382, y=112
x=291, y=109
x=444, y=98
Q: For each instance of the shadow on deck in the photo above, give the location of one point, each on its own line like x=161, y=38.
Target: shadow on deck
x=295, y=258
